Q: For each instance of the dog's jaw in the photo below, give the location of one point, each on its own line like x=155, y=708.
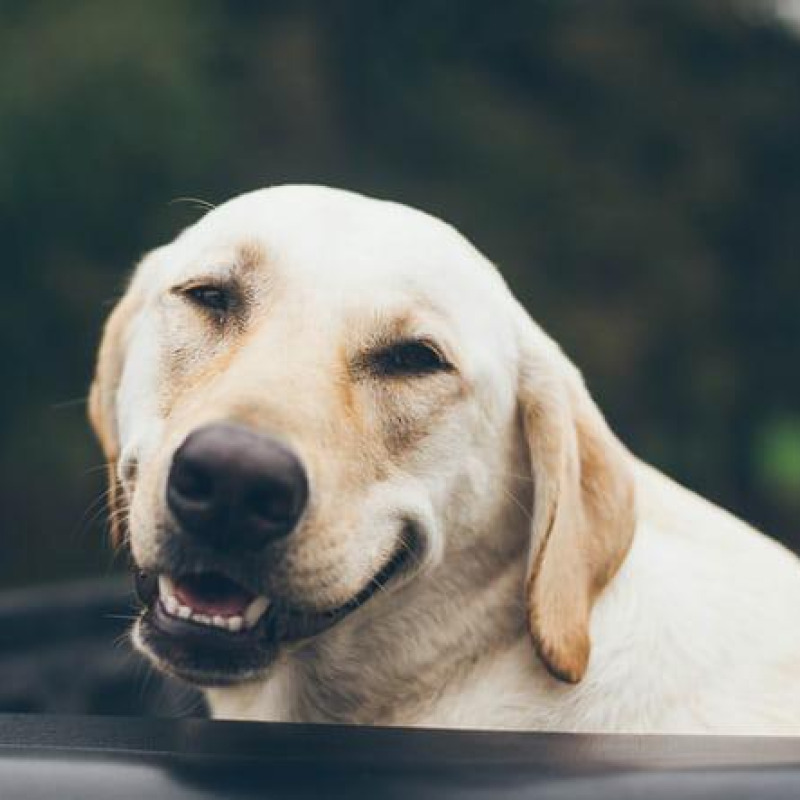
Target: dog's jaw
x=404, y=663
x=234, y=639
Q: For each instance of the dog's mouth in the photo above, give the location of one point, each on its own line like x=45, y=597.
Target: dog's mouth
x=210, y=599
x=209, y=629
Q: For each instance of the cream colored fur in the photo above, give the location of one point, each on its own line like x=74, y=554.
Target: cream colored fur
x=564, y=585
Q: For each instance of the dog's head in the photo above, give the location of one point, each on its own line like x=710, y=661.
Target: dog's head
x=309, y=399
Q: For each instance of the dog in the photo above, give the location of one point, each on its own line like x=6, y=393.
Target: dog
x=360, y=485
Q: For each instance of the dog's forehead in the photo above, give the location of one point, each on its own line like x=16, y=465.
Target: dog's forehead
x=337, y=240
x=345, y=261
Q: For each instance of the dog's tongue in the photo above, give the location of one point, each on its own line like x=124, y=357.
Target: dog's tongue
x=212, y=594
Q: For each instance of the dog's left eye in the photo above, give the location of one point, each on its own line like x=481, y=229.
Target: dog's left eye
x=409, y=358
x=213, y=298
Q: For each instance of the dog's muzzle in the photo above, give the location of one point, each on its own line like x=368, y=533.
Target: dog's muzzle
x=234, y=493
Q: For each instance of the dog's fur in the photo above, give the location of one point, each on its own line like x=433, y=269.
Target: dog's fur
x=561, y=584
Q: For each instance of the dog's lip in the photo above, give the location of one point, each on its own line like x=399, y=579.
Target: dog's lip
x=293, y=623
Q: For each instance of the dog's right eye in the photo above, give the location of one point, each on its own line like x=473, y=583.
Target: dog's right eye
x=409, y=358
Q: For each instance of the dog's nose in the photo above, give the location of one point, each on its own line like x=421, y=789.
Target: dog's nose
x=236, y=488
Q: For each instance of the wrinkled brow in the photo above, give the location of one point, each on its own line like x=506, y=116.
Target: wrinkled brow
x=239, y=259
x=249, y=255
x=227, y=263
x=383, y=328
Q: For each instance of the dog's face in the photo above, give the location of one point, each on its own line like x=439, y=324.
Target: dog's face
x=309, y=399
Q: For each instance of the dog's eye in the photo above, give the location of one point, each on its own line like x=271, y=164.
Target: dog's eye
x=213, y=298
x=409, y=358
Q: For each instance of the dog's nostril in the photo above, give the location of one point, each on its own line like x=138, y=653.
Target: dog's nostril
x=192, y=482
x=275, y=504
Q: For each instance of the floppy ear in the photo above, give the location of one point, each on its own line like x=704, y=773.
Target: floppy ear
x=103, y=397
x=584, y=515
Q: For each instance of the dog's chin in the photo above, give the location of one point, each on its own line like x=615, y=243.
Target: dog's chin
x=201, y=657
x=208, y=630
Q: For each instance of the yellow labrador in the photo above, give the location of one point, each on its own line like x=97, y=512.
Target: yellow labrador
x=361, y=485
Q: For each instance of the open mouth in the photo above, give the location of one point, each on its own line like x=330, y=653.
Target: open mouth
x=210, y=599
x=209, y=629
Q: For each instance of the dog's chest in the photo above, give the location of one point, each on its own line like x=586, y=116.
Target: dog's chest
x=273, y=700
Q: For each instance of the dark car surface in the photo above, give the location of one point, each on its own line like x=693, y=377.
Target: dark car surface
x=83, y=758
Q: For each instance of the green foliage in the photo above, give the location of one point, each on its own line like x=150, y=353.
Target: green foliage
x=632, y=167
x=778, y=459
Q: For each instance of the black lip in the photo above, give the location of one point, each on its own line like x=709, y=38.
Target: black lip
x=292, y=624
x=211, y=656
x=195, y=634
x=146, y=585
x=201, y=654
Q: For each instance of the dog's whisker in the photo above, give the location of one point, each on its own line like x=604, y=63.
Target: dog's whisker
x=96, y=468
x=378, y=584
x=410, y=549
x=119, y=517
x=123, y=617
x=117, y=513
x=518, y=503
x=150, y=673
x=123, y=640
x=196, y=202
x=101, y=496
x=195, y=705
x=75, y=401
x=93, y=512
x=516, y=476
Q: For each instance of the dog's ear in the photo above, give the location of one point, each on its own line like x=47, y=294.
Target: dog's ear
x=103, y=398
x=584, y=506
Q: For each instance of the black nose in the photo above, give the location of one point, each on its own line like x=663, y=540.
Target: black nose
x=236, y=488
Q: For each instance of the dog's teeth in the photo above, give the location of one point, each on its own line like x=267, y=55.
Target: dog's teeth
x=235, y=624
x=255, y=611
x=166, y=587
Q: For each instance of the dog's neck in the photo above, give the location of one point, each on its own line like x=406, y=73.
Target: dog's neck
x=394, y=662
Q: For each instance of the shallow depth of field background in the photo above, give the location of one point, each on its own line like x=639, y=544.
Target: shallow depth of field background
x=633, y=169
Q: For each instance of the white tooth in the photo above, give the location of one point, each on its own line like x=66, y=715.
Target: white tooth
x=184, y=612
x=203, y=619
x=166, y=587
x=235, y=624
x=255, y=611
x=171, y=604
x=220, y=622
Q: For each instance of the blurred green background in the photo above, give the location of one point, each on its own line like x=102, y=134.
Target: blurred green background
x=632, y=167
